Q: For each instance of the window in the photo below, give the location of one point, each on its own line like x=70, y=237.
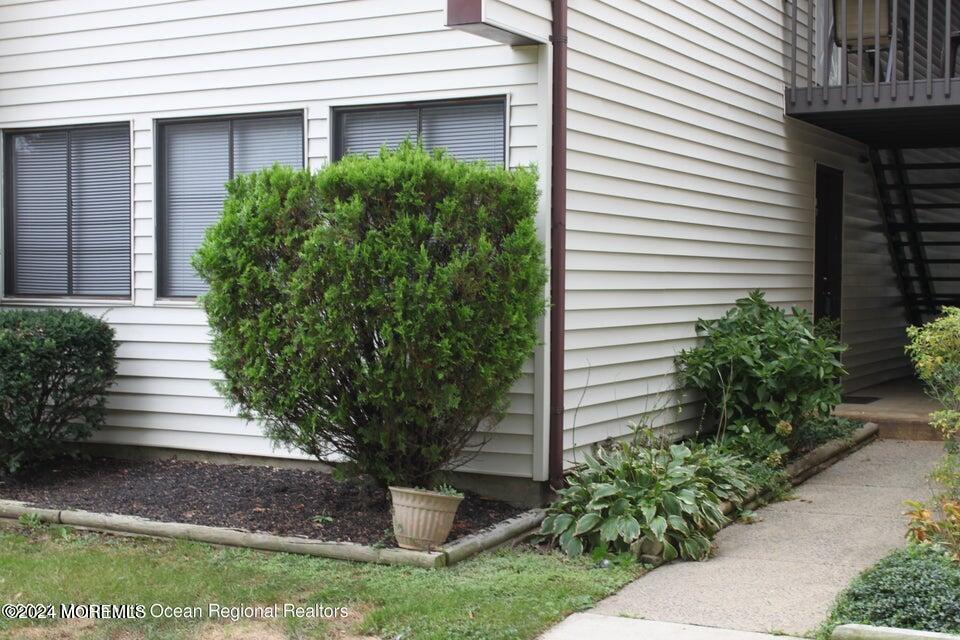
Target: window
x=468, y=129
x=68, y=211
x=196, y=158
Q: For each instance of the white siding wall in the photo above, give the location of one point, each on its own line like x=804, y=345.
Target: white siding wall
x=70, y=62
x=688, y=187
x=531, y=17
x=874, y=317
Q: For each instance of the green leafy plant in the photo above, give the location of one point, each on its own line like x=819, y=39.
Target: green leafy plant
x=768, y=448
x=380, y=309
x=759, y=365
x=447, y=490
x=669, y=495
x=934, y=349
x=938, y=527
x=766, y=455
x=30, y=521
x=820, y=429
x=914, y=588
x=946, y=475
x=55, y=369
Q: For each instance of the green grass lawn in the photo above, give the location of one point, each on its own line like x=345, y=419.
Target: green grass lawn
x=507, y=594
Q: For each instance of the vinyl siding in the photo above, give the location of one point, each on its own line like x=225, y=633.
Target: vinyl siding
x=688, y=188
x=532, y=17
x=136, y=61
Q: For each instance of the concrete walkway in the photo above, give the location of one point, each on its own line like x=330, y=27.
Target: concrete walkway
x=901, y=408
x=782, y=574
x=591, y=626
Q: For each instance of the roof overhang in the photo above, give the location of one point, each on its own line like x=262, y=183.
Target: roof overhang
x=473, y=17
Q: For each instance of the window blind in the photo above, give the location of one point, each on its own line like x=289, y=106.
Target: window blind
x=260, y=142
x=197, y=165
x=365, y=132
x=100, y=217
x=199, y=158
x=69, y=212
x=468, y=130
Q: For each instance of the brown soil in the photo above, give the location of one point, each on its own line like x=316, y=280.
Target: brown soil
x=254, y=498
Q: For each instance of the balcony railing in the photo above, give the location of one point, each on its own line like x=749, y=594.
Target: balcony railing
x=855, y=55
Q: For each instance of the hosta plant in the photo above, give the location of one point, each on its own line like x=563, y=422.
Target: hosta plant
x=670, y=495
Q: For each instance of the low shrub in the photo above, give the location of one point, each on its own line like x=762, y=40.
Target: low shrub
x=768, y=448
x=379, y=309
x=55, y=369
x=913, y=588
x=946, y=475
x=817, y=430
x=937, y=526
x=934, y=349
x=669, y=495
x=766, y=455
x=759, y=366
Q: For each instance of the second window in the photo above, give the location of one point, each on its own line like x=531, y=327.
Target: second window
x=197, y=158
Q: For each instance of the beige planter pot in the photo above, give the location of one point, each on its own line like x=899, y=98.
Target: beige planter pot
x=422, y=519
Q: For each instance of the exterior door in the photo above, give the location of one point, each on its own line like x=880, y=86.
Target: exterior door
x=828, y=259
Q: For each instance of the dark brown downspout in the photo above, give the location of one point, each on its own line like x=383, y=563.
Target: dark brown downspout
x=558, y=240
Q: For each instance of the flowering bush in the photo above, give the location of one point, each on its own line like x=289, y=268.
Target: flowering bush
x=761, y=368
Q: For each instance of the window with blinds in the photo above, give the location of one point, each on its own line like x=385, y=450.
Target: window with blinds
x=68, y=212
x=469, y=130
x=197, y=158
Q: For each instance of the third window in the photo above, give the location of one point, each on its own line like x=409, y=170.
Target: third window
x=467, y=129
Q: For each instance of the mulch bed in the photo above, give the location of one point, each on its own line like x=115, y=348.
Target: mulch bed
x=255, y=498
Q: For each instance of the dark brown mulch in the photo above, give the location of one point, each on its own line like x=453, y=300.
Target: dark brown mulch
x=279, y=501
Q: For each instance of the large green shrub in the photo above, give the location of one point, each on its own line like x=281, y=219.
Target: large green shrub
x=379, y=309
x=55, y=368
x=669, y=495
x=914, y=588
x=759, y=366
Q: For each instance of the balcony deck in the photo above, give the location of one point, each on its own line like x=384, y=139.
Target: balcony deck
x=903, y=93
x=893, y=118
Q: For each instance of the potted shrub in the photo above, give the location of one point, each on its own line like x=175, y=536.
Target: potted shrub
x=379, y=309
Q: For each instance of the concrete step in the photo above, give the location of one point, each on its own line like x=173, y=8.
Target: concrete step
x=893, y=425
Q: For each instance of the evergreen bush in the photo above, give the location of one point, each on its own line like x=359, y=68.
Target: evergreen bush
x=55, y=369
x=379, y=309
